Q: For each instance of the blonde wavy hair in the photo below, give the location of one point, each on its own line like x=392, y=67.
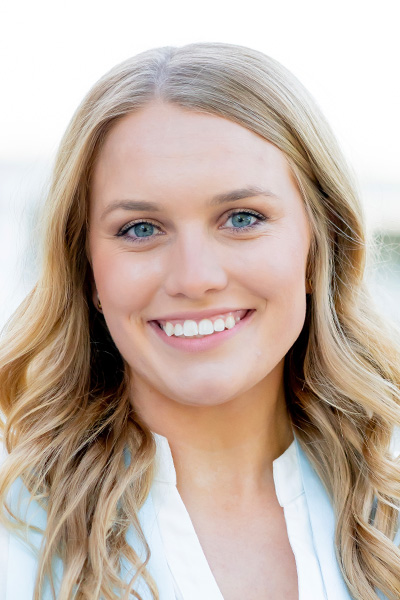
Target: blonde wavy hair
x=69, y=422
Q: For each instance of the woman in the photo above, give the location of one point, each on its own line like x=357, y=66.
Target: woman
x=199, y=397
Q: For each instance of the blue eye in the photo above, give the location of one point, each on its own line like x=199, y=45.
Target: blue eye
x=143, y=229
x=244, y=219
x=237, y=221
x=139, y=231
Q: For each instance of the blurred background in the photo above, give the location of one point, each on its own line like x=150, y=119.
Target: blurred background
x=346, y=52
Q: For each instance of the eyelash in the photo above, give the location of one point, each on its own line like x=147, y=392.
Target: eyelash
x=123, y=232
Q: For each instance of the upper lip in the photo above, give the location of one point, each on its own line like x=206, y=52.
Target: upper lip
x=198, y=315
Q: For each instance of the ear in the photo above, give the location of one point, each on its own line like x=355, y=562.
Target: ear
x=95, y=294
x=309, y=275
x=96, y=301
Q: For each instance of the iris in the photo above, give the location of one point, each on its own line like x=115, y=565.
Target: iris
x=143, y=229
x=242, y=219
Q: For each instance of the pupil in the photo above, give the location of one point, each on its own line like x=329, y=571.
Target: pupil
x=143, y=229
x=241, y=219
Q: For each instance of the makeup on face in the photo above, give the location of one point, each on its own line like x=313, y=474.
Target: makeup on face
x=199, y=241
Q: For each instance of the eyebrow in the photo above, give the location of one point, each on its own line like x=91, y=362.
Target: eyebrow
x=225, y=197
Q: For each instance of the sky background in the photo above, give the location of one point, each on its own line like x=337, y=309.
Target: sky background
x=346, y=52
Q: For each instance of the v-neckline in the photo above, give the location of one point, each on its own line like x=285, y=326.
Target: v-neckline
x=175, y=523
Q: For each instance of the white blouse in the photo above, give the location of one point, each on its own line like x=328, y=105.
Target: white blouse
x=192, y=576
x=177, y=560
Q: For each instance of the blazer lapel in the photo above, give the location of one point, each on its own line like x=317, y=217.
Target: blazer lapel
x=322, y=520
x=23, y=561
x=157, y=565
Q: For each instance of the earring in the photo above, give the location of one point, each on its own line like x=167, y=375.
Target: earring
x=99, y=304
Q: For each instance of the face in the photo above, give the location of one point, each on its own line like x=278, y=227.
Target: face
x=196, y=222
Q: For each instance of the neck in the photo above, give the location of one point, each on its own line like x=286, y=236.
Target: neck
x=232, y=444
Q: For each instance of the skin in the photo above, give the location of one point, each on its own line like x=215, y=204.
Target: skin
x=223, y=410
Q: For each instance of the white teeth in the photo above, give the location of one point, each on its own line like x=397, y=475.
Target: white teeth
x=169, y=329
x=219, y=325
x=190, y=328
x=178, y=329
x=206, y=327
x=230, y=322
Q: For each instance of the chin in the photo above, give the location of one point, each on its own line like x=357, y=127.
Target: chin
x=205, y=393
x=202, y=402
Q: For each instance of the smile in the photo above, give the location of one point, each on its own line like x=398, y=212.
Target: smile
x=191, y=328
x=224, y=327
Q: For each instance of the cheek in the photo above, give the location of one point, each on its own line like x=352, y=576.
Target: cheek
x=276, y=274
x=276, y=269
x=125, y=283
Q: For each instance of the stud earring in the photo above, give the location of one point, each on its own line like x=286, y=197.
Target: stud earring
x=99, y=304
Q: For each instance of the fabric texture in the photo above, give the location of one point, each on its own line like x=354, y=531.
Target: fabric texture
x=177, y=561
x=191, y=573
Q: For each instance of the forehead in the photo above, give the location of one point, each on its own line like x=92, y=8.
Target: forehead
x=163, y=146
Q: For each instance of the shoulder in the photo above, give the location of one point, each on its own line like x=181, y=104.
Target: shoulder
x=20, y=502
x=19, y=555
x=18, y=552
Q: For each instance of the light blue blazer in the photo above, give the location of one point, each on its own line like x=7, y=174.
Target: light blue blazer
x=22, y=564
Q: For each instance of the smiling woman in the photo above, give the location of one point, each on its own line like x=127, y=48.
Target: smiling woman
x=198, y=255
x=199, y=400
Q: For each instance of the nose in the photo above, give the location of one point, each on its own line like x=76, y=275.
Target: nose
x=195, y=267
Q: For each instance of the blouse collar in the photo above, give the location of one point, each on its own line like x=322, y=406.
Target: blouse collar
x=286, y=470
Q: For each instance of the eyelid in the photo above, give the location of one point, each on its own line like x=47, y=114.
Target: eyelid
x=128, y=226
x=125, y=228
x=235, y=211
x=255, y=213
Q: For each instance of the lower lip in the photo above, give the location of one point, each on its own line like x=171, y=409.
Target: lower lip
x=207, y=342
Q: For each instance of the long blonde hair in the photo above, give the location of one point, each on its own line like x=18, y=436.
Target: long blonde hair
x=63, y=385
